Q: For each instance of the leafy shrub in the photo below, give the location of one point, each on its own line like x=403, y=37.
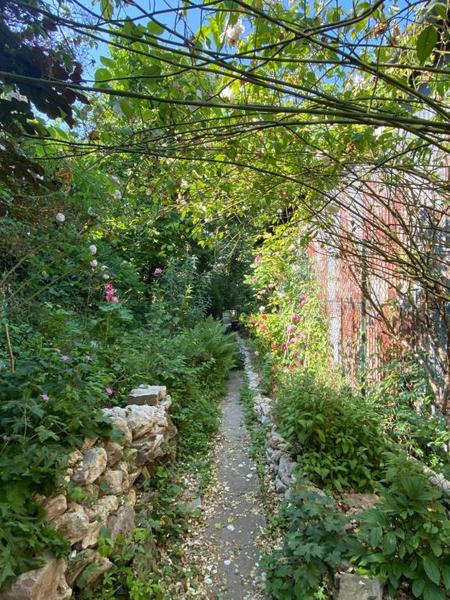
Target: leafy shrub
x=406, y=537
x=403, y=400
x=336, y=434
x=37, y=432
x=314, y=545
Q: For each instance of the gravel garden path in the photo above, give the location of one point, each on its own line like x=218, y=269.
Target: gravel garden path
x=227, y=546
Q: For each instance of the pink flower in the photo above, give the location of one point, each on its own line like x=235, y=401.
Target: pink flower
x=290, y=328
x=111, y=293
x=258, y=258
x=45, y=397
x=65, y=357
x=292, y=341
x=109, y=391
x=303, y=298
x=283, y=347
x=157, y=271
x=296, y=318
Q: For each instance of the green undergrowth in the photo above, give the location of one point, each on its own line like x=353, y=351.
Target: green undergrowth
x=151, y=567
x=347, y=442
x=35, y=440
x=336, y=435
x=53, y=401
x=148, y=563
x=404, y=540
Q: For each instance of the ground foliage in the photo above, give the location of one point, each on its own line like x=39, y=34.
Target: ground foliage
x=87, y=313
x=205, y=132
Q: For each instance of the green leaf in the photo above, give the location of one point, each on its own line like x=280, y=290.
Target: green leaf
x=432, y=592
x=426, y=41
x=431, y=567
x=150, y=71
x=101, y=74
x=436, y=547
x=106, y=8
x=390, y=543
x=418, y=587
x=45, y=434
x=155, y=28
x=375, y=536
x=445, y=571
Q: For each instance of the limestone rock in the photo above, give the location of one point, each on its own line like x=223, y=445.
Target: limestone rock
x=86, y=568
x=276, y=441
x=122, y=522
x=262, y=408
x=114, y=452
x=73, y=525
x=360, y=501
x=148, y=394
x=55, y=507
x=74, y=457
x=46, y=583
x=280, y=486
x=144, y=420
x=77, y=562
x=93, y=572
x=131, y=478
x=356, y=587
x=91, y=538
x=276, y=455
x=92, y=489
x=166, y=403
x=88, y=443
x=286, y=468
x=118, y=417
x=112, y=480
x=103, y=508
x=148, y=449
x=91, y=467
x=131, y=497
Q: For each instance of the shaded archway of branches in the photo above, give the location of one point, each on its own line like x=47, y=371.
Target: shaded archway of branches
x=297, y=82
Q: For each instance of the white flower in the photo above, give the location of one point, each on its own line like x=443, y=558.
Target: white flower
x=94, y=263
x=227, y=93
x=115, y=179
x=262, y=309
x=106, y=276
x=234, y=32
x=60, y=218
x=104, y=267
x=117, y=195
x=379, y=132
x=93, y=249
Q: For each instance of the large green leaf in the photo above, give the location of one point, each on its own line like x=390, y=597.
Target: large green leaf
x=426, y=41
x=431, y=567
x=432, y=592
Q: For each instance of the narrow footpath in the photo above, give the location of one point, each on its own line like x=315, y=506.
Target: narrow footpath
x=227, y=546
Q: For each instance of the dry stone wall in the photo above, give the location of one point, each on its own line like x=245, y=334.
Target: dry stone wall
x=104, y=473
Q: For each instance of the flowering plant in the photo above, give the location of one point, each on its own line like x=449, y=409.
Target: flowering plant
x=111, y=293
